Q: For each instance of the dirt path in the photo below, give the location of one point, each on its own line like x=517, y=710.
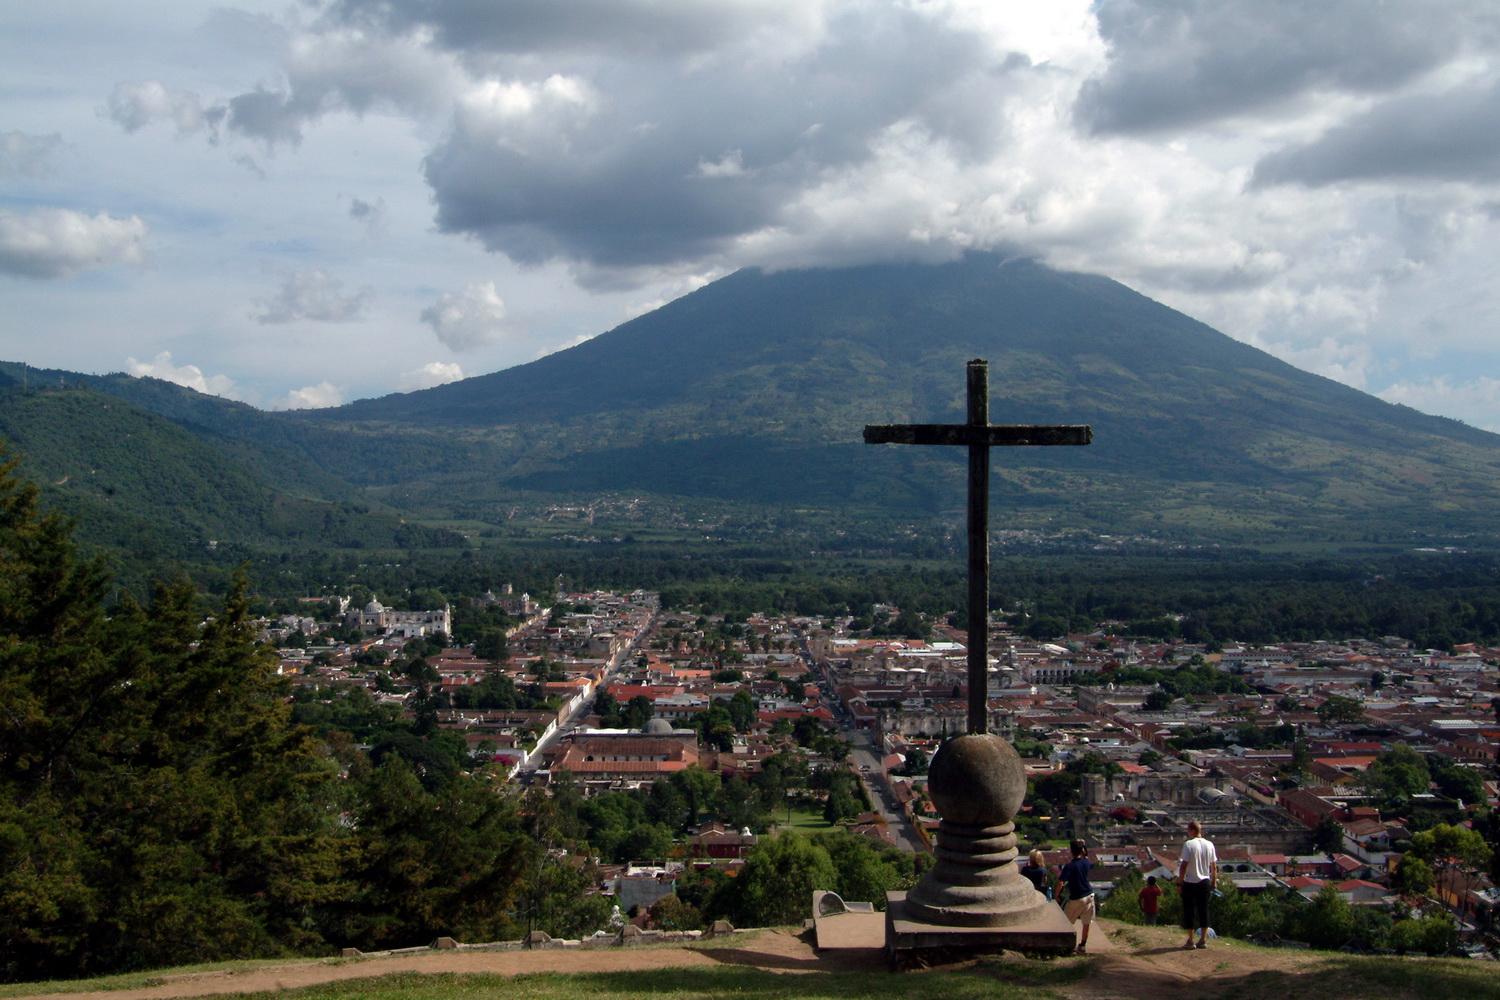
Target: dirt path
x=1128, y=963
x=1149, y=963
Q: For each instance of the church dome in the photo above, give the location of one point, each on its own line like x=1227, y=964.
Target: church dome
x=374, y=608
x=658, y=727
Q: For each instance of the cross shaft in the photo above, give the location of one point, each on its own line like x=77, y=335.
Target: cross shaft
x=979, y=435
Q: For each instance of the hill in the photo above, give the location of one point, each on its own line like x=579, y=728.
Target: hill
x=744, y=402
x=1143, y=965
x=756, y=387
x=141, y=484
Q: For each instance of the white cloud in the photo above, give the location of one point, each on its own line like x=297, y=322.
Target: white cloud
x=554, y=348
x=133, y=106
x=312, y=295
x=26, y=155
x=59, y=242
x=434, y=373
x=1475, y=402
x=190, y=376
x=731, y=164
x=643, y=145
x=310, y=397
x=470, y=319
x=1349, y=363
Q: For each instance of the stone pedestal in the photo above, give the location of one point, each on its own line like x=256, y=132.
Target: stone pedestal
x=1047, y=931
x=975, y=898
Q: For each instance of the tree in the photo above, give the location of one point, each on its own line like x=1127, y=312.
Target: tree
x=840, y=803
x=698, y=789
x=1460, y=783
x=1396, y=775
x=775, y=886
x=638, y=712
x=492, y=645
x=1123, y=902
x=1327, y=922
x=742, y=711
x=916, y=762
x=1328, y=835
x=1413, y=876
x=1433, y=934
x=426, y=864
x=672, y=914
x=866, y=872
x=1338, y=708
x=1446, y=843
x=156, y=803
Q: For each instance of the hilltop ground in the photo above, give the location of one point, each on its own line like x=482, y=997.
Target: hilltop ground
x=1133, y=963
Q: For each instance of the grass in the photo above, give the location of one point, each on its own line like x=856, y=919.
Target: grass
x=999, y=977
x=151, y=977
x=985, y=982
x=1372, y=979
x=806, y=820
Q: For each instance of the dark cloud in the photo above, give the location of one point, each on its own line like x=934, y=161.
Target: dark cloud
x=647, y=27
x=645, y=162
x=1452, y=136
x=1178, y=63
x=267, y=115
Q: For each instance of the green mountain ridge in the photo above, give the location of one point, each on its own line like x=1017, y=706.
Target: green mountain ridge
x=751, y=393
x=143, y=485
x=757, y=387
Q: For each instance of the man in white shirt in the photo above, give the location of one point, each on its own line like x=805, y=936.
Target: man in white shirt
x=1196, y=876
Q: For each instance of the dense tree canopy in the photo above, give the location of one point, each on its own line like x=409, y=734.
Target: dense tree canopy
x=159, y=805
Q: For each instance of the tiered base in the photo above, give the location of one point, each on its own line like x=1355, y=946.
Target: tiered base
x=1046, y=932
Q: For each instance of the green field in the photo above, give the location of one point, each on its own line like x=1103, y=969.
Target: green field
x=1238, y=971
x=805, y=820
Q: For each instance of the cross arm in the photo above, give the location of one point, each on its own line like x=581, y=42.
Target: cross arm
x=984, y=434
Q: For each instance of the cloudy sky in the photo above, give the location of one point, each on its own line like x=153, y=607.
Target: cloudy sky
x=298, y=204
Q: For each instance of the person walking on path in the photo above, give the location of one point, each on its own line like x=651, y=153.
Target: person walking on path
x=1075, y=876
x=1150, y=901
x=1196, y=875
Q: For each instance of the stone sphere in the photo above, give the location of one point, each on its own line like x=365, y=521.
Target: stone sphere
x=977, y=780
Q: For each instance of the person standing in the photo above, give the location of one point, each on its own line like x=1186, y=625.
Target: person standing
x=1075, y=876
x=1196, y=875
x=1150, y=901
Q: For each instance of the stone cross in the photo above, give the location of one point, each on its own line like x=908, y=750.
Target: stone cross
x=980, y=436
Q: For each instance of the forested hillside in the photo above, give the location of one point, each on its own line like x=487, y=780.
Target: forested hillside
x=151, y=488
x=161, y=804
x=748, y=397
x=756, y=387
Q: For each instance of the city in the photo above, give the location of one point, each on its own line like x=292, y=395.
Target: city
x=1310, y=765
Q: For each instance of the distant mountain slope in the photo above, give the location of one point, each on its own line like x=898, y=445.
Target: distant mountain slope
x=757, y=386
x=752, y=392
x=141, y=483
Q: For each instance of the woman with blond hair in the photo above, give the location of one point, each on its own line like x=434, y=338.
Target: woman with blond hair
x=1035, y=869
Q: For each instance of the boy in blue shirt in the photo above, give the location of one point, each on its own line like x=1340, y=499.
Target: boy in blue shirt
x=1075, y=876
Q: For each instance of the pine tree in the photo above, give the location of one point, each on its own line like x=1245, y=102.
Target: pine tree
x=156, y=805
